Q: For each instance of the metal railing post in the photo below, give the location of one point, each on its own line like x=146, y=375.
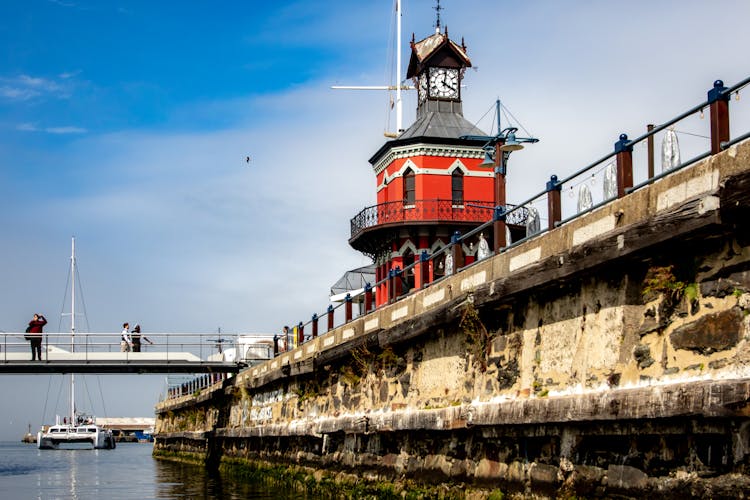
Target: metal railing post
x=650, y=147
x=314, y=326
x=368, y=298
x=330, y=318
x=397, y=286
x=457, y=251
x=624, y=151
x=348, y=308
x=424, y=269
x=391, y=285
x=554, y=204
x=300, y=334
x=719, y=109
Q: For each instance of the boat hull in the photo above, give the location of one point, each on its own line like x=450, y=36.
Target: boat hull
x=64, y=436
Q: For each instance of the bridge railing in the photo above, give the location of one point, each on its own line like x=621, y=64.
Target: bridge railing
x=15, y=346
x=700, y=132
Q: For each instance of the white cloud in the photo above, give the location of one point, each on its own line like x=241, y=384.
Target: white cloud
x=25, y=88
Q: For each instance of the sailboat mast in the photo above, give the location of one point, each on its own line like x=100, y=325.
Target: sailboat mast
x=72, y=325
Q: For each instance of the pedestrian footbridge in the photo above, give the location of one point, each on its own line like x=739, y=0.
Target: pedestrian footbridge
x=159, y=353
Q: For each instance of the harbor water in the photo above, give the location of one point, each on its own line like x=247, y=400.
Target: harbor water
x=127, y=472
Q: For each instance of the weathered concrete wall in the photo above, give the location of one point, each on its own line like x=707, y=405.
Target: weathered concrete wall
x=607, y=356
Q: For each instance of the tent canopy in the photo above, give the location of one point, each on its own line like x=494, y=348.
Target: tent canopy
x=352, y=282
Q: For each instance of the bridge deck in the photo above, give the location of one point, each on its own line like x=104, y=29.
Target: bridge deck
x=131, y=365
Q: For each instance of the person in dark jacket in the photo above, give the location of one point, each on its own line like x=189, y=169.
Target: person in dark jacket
x=136, y=337
x=34, y=334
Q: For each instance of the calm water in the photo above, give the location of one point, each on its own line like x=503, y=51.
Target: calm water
x=128, y=472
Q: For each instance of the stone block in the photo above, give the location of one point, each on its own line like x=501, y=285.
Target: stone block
x=713, y=332
x=516, y=473
x=543, y=475
x=491, y=470
x=625, y=477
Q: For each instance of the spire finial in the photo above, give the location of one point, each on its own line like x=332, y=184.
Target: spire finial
x=437, y=8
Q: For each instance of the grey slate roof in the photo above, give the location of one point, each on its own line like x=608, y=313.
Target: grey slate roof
x=441, y=119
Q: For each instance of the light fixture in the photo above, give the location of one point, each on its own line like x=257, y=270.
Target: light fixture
x=511, y=143
x=489, y=161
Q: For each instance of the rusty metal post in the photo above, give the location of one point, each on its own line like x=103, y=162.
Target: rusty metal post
x=458, y=251
x=300, y=334
x=650, y=144
x=368, y=298
x=719, y=107
x=498, y=227
x=624, y=151
x=554, y=203
x=348, y=308
x=330, y=318
x=314, y=325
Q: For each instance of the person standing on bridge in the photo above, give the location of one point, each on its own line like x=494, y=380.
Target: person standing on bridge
x=34, y=336
x=126, y=342
x=136, y=337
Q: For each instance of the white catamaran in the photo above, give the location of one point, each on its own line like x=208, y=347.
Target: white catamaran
x=75, y=429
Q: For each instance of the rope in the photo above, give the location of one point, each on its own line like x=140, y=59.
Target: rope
x=101, y=395
x=46, y=399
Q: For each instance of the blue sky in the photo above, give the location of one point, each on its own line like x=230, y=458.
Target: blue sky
x=127, y=125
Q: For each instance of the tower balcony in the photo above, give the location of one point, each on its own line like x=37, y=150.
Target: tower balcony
x=375, y=226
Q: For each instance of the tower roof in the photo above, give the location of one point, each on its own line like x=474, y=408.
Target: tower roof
x=441, y=119
x=436, y=50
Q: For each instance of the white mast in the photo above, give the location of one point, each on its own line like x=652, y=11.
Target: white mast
x=72, y=325
x=399, y=119
x=398, y=86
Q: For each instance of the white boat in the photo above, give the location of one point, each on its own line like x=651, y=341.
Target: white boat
x=75, y=429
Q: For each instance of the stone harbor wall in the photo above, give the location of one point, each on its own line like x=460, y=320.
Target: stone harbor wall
x=609, y=356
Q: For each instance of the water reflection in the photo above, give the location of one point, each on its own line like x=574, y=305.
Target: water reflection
x=176, y=480
x=128, y=472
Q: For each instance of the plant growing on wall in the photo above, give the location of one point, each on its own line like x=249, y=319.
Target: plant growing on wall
x=477, y=336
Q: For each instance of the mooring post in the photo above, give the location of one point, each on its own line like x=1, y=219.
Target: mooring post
x=554, y=204
x=314, y=325
x=719, y=108
x=348, y=308
x=368, y=298
x=330, y=318
x=624, y=151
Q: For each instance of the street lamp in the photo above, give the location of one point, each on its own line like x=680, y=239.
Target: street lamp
x=497, y=150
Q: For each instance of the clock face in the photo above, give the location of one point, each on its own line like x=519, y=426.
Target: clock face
x=422, y=88
x=444, y=83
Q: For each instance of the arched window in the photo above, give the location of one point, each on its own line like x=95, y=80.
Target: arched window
x=457, y=187
x=409, y=196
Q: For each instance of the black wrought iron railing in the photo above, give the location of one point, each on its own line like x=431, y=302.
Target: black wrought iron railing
x=429, y=211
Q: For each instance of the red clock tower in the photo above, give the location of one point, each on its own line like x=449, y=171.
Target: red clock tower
x=428, y=180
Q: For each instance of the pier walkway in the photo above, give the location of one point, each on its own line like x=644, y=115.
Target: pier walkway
x=100, y=353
